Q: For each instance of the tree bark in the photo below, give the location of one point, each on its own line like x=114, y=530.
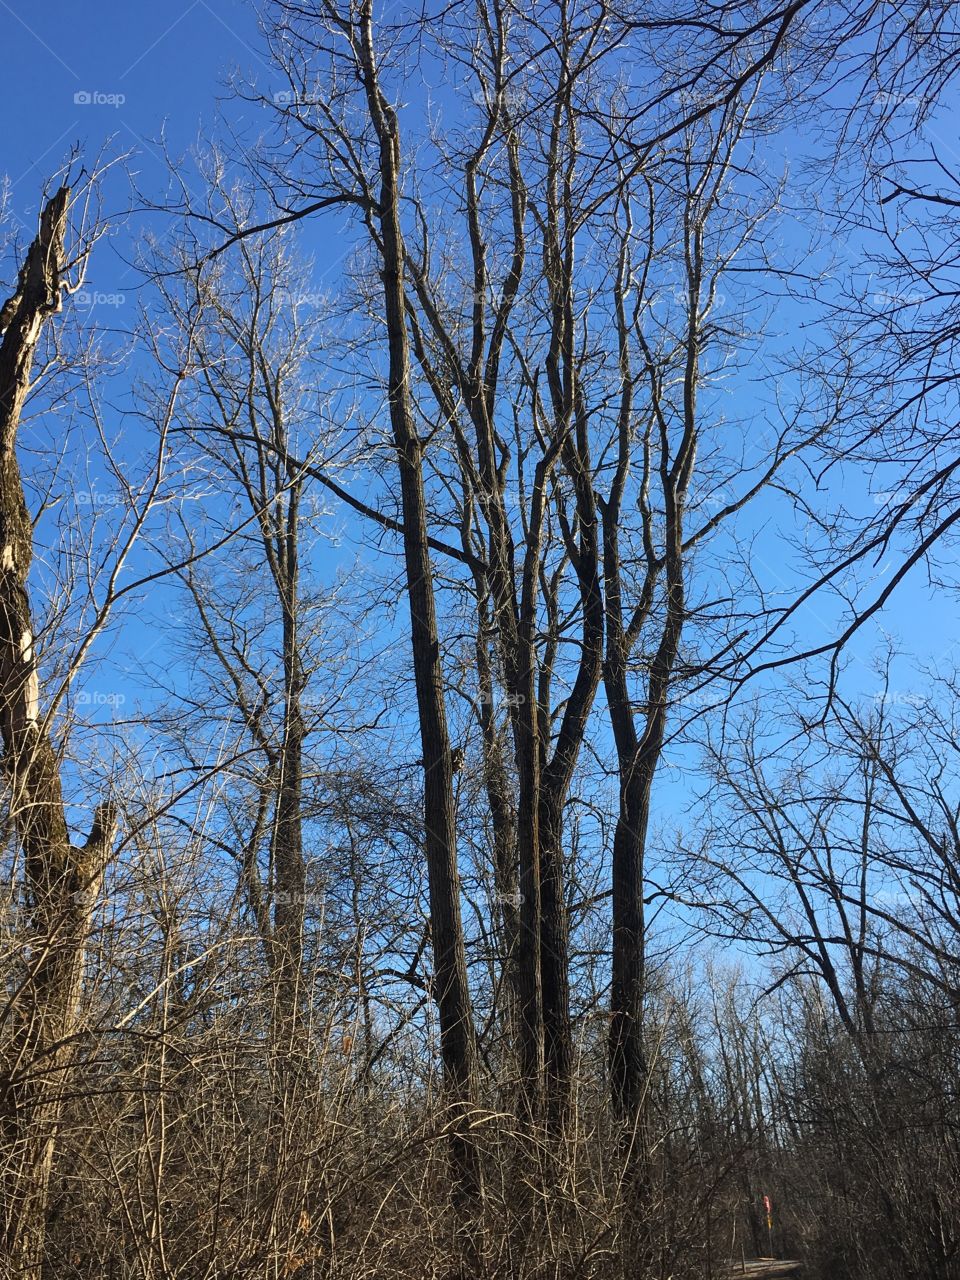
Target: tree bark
x=62, y=881
x=451, y=987
x=638, y=753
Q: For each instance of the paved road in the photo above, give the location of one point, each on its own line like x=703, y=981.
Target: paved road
x=765, y=1269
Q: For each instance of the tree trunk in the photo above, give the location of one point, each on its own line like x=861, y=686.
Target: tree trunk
x=504, y=822
x=280, y=527
x=555, y=967
x=451, y=988
x=62, y=881
x=638, y=765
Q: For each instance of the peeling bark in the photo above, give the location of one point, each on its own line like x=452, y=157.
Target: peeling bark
x=62, y=880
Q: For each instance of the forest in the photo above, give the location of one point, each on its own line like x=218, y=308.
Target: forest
x=480, y=759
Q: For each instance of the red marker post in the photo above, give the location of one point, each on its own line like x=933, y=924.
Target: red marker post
x=769, y=1208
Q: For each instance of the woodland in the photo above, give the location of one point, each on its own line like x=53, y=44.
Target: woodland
x=480, y=754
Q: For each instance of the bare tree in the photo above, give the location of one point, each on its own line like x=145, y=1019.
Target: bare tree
x=61, y=880
x=506, y=369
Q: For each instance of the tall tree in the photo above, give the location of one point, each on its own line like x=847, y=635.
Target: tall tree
x=61, y=880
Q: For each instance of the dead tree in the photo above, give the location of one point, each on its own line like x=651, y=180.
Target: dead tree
x=61, y=880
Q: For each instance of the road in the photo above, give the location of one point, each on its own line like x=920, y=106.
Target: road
x=766, y=1269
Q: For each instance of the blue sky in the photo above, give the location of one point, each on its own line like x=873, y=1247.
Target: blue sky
x=104, y=74
x=164, y=60
x=100, y=74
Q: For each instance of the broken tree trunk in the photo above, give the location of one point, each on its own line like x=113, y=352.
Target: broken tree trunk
x=61, y=880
